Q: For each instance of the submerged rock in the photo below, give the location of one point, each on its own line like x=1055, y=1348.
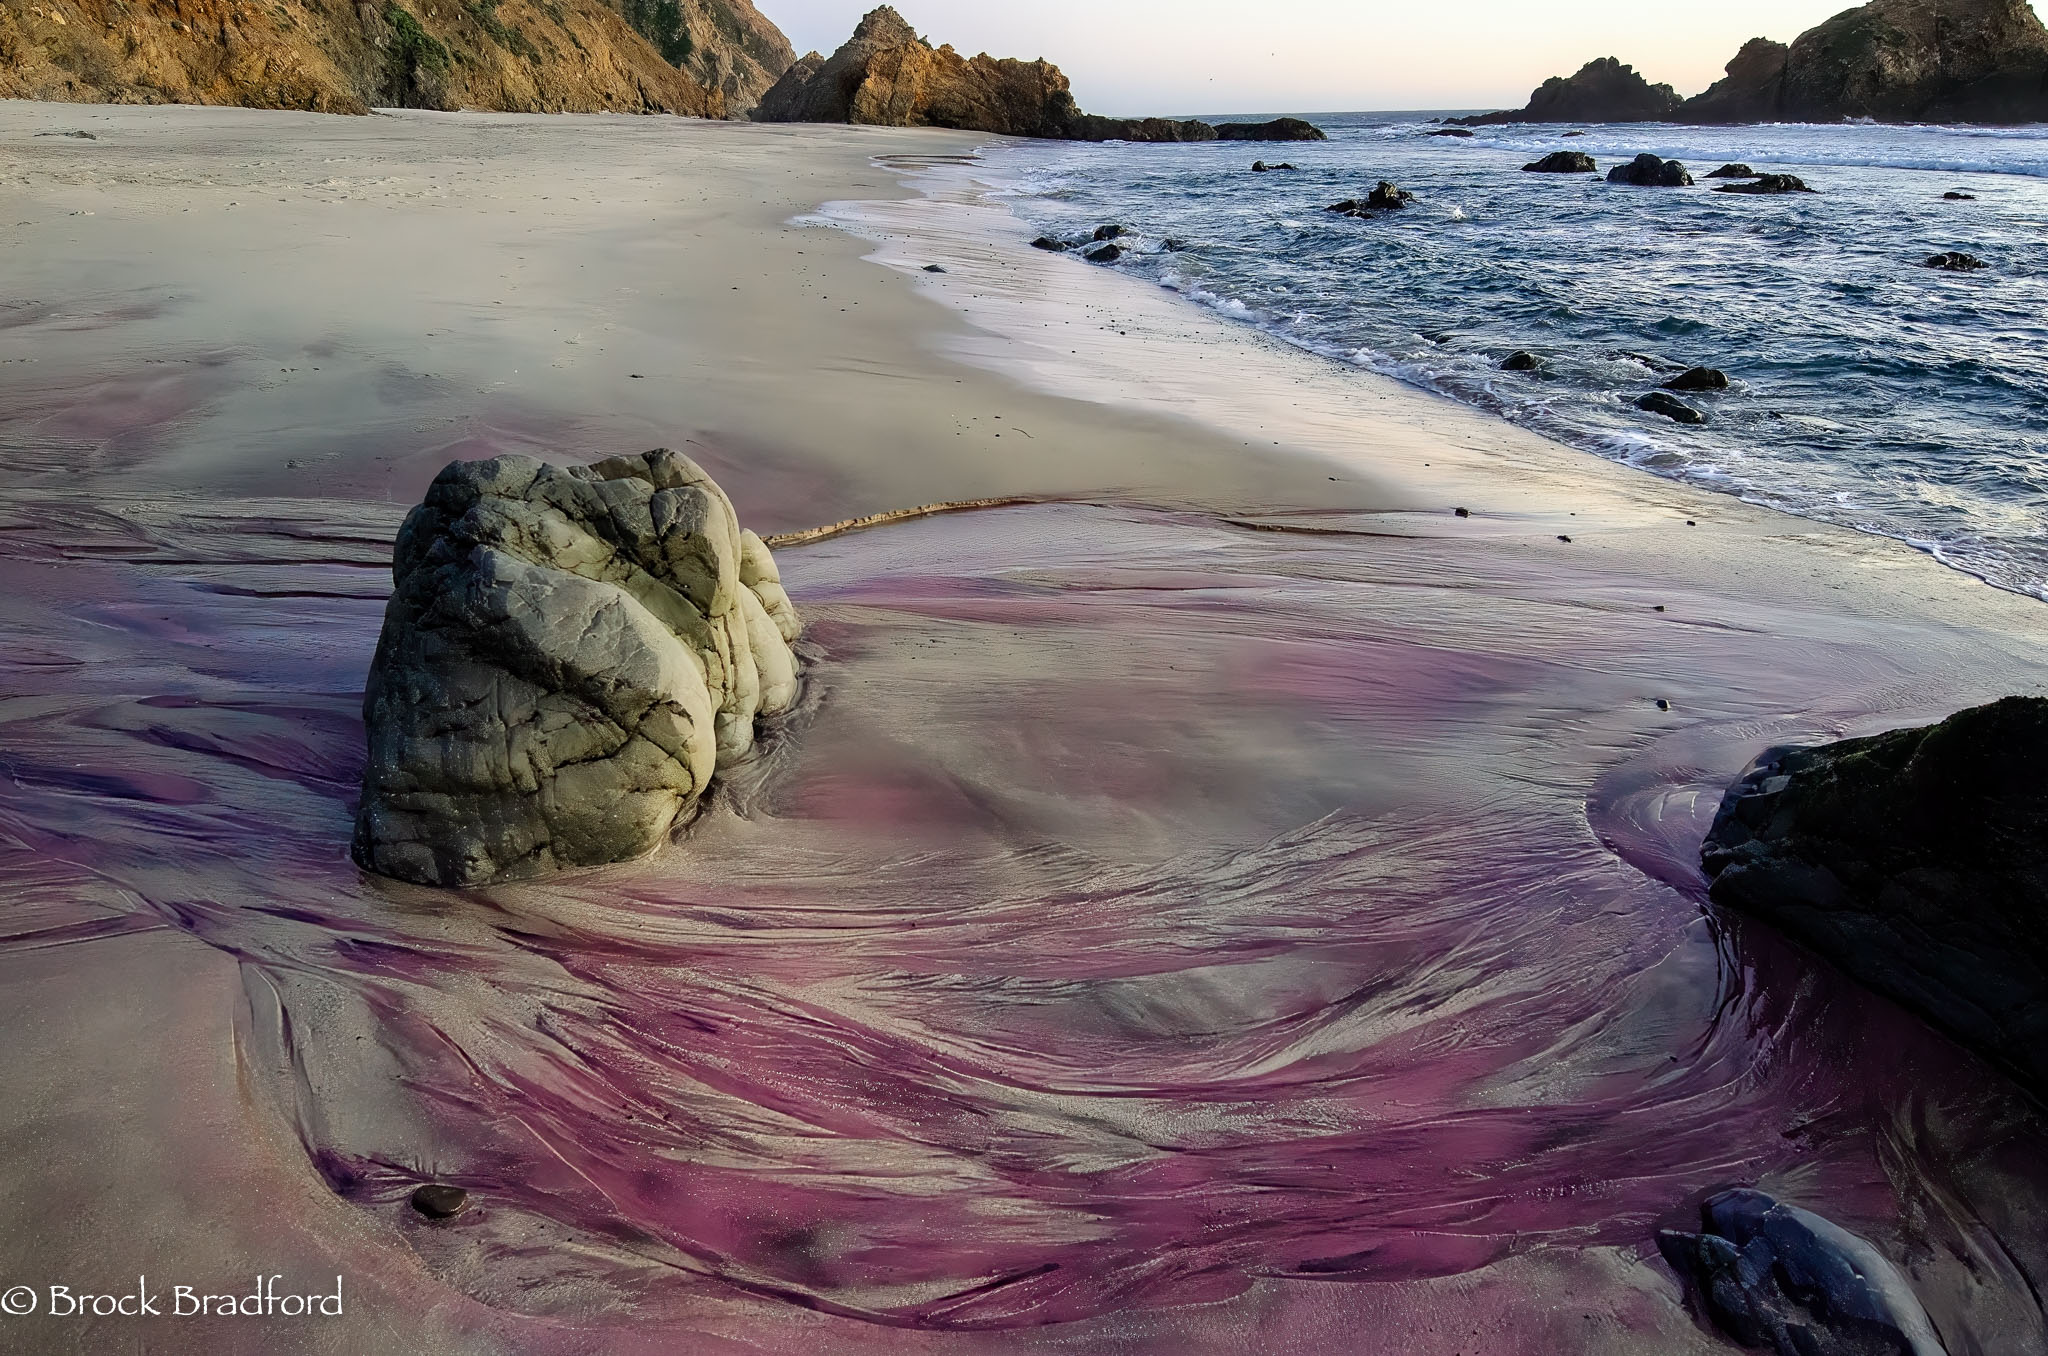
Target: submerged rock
x=1671, y=407
x=1768, y=183
x=1775, y=1276
x=1698, y=379
x=1261, y=167
x=1955, y=261
x=1917, y=862
x=1385, y=197
x=1732, y=171
x=1647, y=171
x=568, y=657
x=1562, y=162
x=1956, y=195
x=1521, y=360
x=1110, y=232
x=1452, y=132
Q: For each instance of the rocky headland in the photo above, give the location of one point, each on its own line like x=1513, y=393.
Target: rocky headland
x=706, y=58
x=1917, y=862
x=886, y=75
x=1971, y=61
x=568, y=657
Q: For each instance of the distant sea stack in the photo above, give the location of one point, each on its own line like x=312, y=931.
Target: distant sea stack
x=888, y=76
x=1971, y=61
x=705, y=58
x=1602, y=91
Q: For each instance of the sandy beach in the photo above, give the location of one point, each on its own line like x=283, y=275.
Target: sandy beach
x=1230, y=902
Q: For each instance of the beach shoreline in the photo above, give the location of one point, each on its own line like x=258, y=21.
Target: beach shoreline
x=1078, y=791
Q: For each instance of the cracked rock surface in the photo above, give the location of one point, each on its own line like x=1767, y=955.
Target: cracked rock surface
x=569, y=656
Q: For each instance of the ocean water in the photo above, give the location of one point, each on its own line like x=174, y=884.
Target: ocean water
x=1867, y=389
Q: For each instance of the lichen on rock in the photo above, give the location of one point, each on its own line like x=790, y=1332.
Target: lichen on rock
x=569, y=656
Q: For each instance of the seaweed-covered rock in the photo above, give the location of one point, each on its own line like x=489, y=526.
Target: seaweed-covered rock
x=1649, y=171
x=1562, y=162
x=1917, y=862
x=568, y=657
x=1775, y=1276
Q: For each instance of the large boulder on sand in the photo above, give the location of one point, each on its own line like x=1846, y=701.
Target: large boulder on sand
x=1916, y=861
x=568, y=657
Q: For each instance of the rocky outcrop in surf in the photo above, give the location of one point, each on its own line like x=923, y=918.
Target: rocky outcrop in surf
x=1970, y=61
x=568, y=657
x=887, y=76
x=1649, y=171
x=1603, y=91
x=1777, y=1277
x=699, y=57
x=1917, y=862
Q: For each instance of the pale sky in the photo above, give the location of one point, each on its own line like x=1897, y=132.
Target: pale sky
x=1223, y=56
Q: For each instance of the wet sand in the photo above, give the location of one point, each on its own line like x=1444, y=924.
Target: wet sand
x=1233, y=904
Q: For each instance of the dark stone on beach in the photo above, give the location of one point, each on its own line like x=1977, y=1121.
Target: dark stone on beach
x=1776, y=1276
x=82, y=136
x=1104, y=254
x=1279, y=129
x=1732, y=172
x=1955, y=261
x=1917, y=862
x=440, y=1202
x=1452, y=132
x=1521, y=360
x=1562, y=162
x=1954, y=195
x=1698, y=379
x=1046, y=242
x=934, y=268
x=1662, y=704
x=1561, y=537
x=1462, y=513
x=1108, y=232
x=1671, y=407
x=1647, y=171
x=1769, y=183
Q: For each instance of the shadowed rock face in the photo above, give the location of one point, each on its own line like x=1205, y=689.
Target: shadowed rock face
x=727, y=46
x=1602, y=91
x=1912, y=60
x=345, y=56
x=1775, y=1276
x=1917, y=861
x=567, y=659
x=887, y=76
x=1752, y=91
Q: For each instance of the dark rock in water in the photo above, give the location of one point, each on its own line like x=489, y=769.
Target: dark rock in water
x=1563, y=162
x=1521, y=360
x=1955, y=261
x=1955, y=196
x=1698, y=379
x=1574, y=134
x=1279, y=129
x=1768, y=183
x=1108, y=232
x=1917, y=862
x=934, y=268
x=1104, y=254
x=1775, y=1276
x=1732, y=172
x=1647, y=171
x=569, y=655
x=440, y=1202
x=1651, y=361
x=1261, y=167
x=1046, y=242
x=1386, y=197
x=1174, y=245
x=1451, y=132
x=1602, y=91
x=1671, y=407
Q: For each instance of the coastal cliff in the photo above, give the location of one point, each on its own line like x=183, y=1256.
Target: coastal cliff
x=886, y=75
x=347, y=56
x=1977, y=61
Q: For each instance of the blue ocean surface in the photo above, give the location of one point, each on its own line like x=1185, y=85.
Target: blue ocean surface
x=1867, y=389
